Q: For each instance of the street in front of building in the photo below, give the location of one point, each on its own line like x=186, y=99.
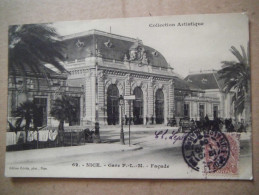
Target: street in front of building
x=147, y=145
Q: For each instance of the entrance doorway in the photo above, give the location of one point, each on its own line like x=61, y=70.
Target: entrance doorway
x=76, y=118
x=201, y=109
x=215, y=111
x=113, y=105
x=138, y=106
x=186, y=110
x=159, y=106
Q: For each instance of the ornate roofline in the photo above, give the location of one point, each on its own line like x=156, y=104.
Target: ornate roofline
x=210, y=71
x=98, y=32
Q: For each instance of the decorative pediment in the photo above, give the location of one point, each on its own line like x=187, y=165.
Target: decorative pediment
x=137, y=53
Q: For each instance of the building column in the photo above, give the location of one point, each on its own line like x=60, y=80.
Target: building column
x=90, y=87
x=120, y=86
x=166, y=105
x=127, y=91
x=145, y=103
x=190, y=107
x=81, y=109
x=171, y=100
x=198, y=111
x=107, y=83
x=101, y=98
x=151, y=103
x=48, y=109
x=223, y=108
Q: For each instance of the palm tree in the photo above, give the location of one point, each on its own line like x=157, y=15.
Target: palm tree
x=64, y=109
x=25, y=111
x=31, y=46
x=236, y=76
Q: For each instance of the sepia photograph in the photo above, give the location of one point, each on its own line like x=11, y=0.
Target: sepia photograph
x=165, y=97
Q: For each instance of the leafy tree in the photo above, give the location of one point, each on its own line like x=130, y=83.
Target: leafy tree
x=236, y=76
x=31, y=46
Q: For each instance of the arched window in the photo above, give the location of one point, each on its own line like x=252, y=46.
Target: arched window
x=113, y=105
x=138, y=106
x=159, y=106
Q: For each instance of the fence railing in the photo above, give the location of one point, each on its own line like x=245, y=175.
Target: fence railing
x=47, y=138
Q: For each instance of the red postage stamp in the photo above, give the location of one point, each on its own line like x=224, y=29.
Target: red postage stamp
x=231, y=167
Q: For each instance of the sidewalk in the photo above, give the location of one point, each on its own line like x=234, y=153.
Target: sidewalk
x=111, y=134
x=136, y=127
x=110, y=137
x=52, y=153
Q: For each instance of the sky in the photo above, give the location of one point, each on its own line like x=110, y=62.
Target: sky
x=186, y=48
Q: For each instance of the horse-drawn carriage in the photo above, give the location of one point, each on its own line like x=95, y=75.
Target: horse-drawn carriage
x=185, y=124
x=172, y=122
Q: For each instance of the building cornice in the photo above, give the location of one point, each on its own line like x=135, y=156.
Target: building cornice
x=133, y=72
x=98, y=32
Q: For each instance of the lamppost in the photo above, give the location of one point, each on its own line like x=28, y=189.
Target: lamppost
x=121, y=102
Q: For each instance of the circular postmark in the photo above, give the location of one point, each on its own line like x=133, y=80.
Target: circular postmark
x=206, y=151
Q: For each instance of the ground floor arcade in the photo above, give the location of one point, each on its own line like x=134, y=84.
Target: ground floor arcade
x=153, y=104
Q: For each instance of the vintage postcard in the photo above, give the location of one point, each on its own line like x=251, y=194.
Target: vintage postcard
x=151, y=97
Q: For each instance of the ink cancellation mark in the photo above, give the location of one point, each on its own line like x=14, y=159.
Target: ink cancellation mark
x=206, y=151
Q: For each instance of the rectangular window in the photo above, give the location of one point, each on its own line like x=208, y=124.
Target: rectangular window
x=40, y=118
x=201, y=110
x=186, y=110
x=215, y=111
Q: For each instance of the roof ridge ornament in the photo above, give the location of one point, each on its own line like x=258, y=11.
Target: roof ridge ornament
x=155, y=53
x=204, y=80
x=189, y=80
x=97, y=51
x=125, y=58
x=108, y=43
x=80, y=43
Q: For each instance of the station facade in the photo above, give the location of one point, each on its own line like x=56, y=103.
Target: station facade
x=102, y=67
x=109, y=66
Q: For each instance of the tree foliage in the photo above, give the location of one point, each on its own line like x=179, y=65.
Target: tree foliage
x=64, y=109
x=25, y=111
x=236, y=77
x=31, y=46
